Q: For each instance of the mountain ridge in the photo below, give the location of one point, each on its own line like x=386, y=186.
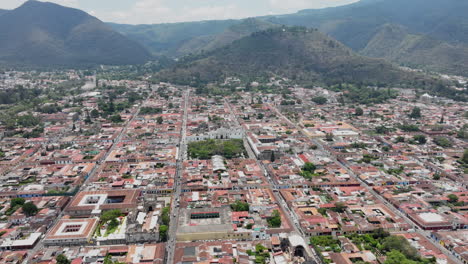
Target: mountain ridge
x=396, y=44
x=42, y=33
x=356, y=25
x=298, y=53
x=165, y=39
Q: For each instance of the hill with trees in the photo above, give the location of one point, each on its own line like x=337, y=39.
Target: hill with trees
x=436, y=38
x=231, y=34
x=302, y=54
x=438, y=29
x=396, y=44
x=180, y=39
x=166, y=39
x=45, y=34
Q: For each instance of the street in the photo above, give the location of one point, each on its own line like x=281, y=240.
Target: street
x=171, y=243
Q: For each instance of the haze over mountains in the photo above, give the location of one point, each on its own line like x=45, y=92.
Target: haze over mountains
x=427, y=34
x=39, y=33
x=395, y=43
x=441, y=27
x=295, y=52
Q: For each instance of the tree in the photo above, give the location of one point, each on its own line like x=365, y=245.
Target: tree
x=94, y=113
x=109, y=215
x=320, y=100
x=159, y=120
x=329, y=137
x=165, y=216
x=340, y=207
x=465, y=157
x=452, y=198
x=309, y=167
x=240, y=206
x=29, y=209
x=443, y=142
x=116, y=119
x=408, y=128
x=108, y=260
x=382, y=130
x=358, y=111
x=163, y=229
x=380, y=233
x=399, y=139
x=463, y=133
x=275, y=220
x=28, y=121
x=420, y=139
x=17, y=202
x=88, y=118
x=396, y=257
x=62, y=259
x=415, y=113
x=400, y=244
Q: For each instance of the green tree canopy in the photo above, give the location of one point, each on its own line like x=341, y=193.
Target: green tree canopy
x=420, y=139
x=275, y=220
x=62, y=259
x=29, y=209
x=159, y=120
x=240, y=206
x=452, y=198
x=163, y=229
x=309, y=167
x=17, y=201
x=320, y=100
x=358, y=111
x=415, y=113
x=400, y=244
x=465, y=157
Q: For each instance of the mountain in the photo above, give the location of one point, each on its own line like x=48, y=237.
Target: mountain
x=396, y=44
x=355, y=24
x=244, y=28
x=180, y=39
x=41, y=33
x=165, y=39
x=2, y=11
x=441, y=24
x=302, y=54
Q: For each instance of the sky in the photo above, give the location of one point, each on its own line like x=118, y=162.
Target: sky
x=168, y=11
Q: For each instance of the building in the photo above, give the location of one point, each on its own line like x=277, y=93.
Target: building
x=207, y=224
x=71, y=232
x=94, y=203
x=220, y=133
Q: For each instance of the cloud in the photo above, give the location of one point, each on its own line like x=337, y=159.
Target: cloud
x=162, y=11
x=11, y=4
x=295, y=5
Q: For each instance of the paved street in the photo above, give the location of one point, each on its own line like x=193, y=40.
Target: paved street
x=171, y=243
x=292, y=218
